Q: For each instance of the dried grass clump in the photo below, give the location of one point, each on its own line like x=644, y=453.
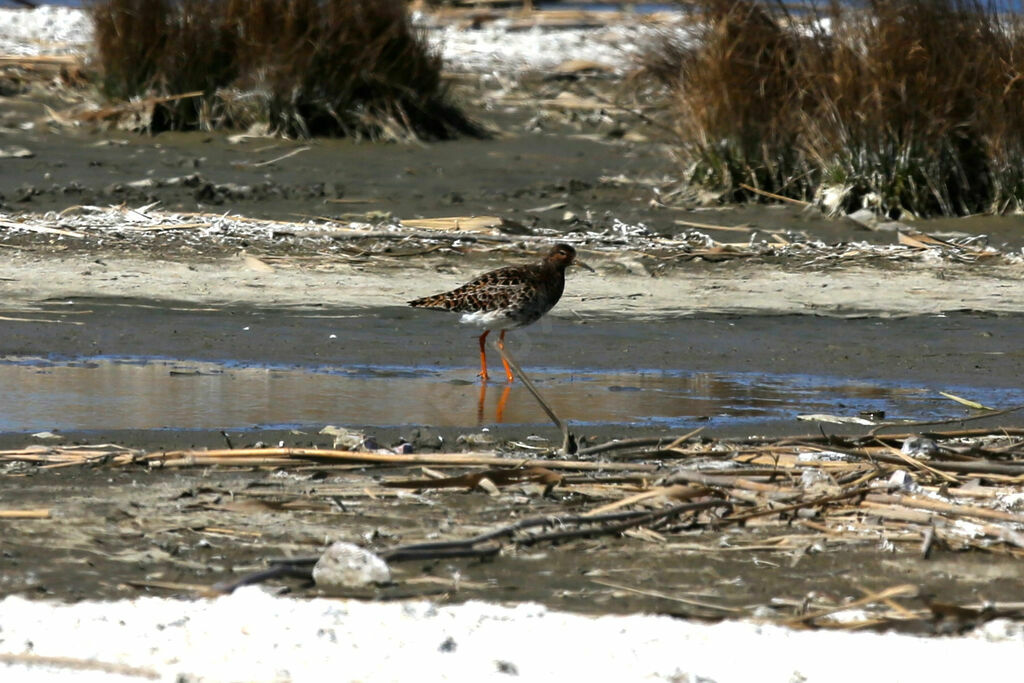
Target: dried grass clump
x=904, y=104
x=305, y=67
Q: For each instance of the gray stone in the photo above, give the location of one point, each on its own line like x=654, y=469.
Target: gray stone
x=346, y=565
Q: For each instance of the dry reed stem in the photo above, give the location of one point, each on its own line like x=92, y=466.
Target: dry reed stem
x=37, y=513
x=703, y=604
x=901, y=591
x=675, y=492
x=764, y=490
x=764, y=486
x=285, y=455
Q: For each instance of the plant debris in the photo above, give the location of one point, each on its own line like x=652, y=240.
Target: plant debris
x=689, y=494
x=378, y=233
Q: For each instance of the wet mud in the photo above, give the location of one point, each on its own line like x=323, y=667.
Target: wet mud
x=162, y=377
x=120, y=532
x=138, y=365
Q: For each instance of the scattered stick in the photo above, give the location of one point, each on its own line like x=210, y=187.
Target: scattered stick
x=902, y=591
x=250, y=456
x=674, y=598
x=953, y=509
x=41, y=228
x=771, y=195
x=678, y=492
x=37, y=513
x=40, y=320
x=957, y=420
x=50, y=664
x=835, y=490
x=568, y=440
x=287, y=155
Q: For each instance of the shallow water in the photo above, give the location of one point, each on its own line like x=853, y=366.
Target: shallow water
x=142, y=393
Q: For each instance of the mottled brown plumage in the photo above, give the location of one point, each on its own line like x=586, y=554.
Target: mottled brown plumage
x=508, y=297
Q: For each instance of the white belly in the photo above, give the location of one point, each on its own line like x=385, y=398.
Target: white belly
x=491, y=320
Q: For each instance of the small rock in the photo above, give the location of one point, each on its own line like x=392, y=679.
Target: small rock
x=25, y=193
x=863, y=217
x=47, y=436
x=488, y=487
x=507, y=668
x=255, y=264
x=901, y=480
x=346, y=565
x=234, y=191
x=1012, y=501
x=349, y=439
x=476, y=440
x=426, y=439
x=16, y=153
x=920, y=447
x=814, y=479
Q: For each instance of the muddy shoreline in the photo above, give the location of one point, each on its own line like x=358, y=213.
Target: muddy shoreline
x=332, y=296
x=926, y=353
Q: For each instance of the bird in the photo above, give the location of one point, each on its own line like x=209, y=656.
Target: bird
x=507, y=298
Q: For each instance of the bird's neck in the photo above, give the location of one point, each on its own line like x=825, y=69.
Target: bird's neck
x=553, y=267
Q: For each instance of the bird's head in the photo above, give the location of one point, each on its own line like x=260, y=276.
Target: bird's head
x=562, y=256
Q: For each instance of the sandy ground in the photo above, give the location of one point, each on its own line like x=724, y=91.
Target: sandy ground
x=736, y=288
x=254, y=637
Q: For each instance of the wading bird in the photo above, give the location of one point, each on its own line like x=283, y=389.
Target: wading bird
x=507, y=298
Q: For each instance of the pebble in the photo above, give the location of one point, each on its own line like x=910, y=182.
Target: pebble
x=346, y=565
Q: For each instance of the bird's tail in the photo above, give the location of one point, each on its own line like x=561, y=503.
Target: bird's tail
x=438, y=301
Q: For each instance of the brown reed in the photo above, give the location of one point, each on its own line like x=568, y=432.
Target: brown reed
x=901, y=105
x=356, y=68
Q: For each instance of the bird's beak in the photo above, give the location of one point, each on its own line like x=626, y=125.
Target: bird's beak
x=581, y=264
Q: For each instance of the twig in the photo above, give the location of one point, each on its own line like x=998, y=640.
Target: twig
x=649, y=518
x=920, y=465
x=39, y=320
x=804, y=504
x=709, y=226
x=50, y=663
x=614, y=522
x=37, y=513
x=976, y=467
x=771, y=195
x=623, y=443
x=280, y=158
x=666, y=596
x=944, y=507
x=671, y=450
x=490, y=541
x=281, y=455
x=994, y=413
x=678, y=492
x=903, y=591
x=41, y=228
x=568, y=440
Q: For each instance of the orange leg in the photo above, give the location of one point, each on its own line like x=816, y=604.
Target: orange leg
x=509, y=377
x=483, y=356
x=480, y=404
x=499, y=416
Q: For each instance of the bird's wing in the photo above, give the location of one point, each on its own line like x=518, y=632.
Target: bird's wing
x=493, y=290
